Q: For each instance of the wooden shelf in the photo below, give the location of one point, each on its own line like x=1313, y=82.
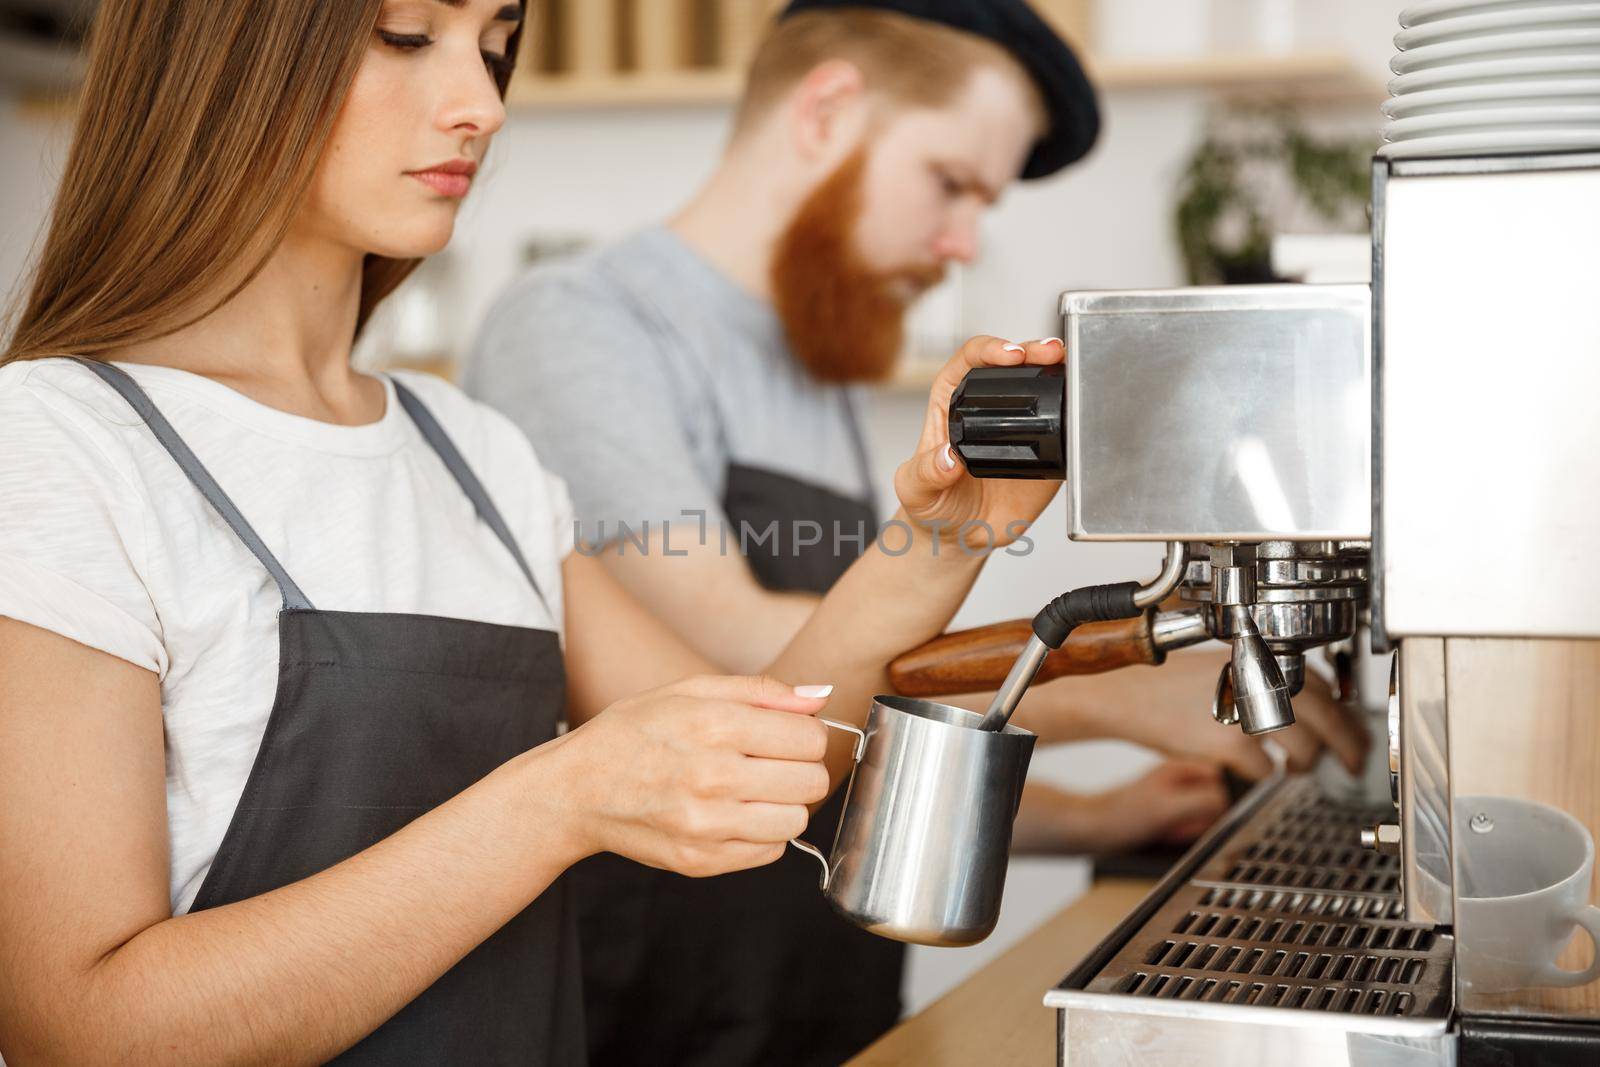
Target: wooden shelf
x=1315, y=77
x=1312, y=76
x=1309, y=78
x=677, y=89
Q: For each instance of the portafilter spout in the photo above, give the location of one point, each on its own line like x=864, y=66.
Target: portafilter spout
x=1260, y=693
x=1251, y=691
x=1099, y=603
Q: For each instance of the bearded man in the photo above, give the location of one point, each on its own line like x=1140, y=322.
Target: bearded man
x=697, y=385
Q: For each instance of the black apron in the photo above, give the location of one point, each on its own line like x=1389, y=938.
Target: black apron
x=377, y=719
x=753, y=967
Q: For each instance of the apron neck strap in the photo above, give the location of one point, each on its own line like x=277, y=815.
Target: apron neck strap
x=457, y=465
x=195, y=471
x=858, y=445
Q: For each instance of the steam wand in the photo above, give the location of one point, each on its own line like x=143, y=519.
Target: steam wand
x=1053, y=624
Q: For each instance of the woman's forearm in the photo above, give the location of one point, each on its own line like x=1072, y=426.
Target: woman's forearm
x=888, y=601
x=300, y=973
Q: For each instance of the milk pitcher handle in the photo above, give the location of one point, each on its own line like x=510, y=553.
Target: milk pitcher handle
x=855, y=760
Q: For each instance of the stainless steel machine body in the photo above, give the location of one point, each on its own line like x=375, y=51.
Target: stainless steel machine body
x=1238, y=419
x=1490, y=347
x=1487, y=478
x=1235, y=414
x=1465, y=930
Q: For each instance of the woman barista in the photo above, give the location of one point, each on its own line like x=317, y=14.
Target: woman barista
x=284, y=647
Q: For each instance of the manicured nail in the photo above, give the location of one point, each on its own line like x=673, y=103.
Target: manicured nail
x=813, y=692
x=947, y=458
x=1014, y=348
x=1054, y=341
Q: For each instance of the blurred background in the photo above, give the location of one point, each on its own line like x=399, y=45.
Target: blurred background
x=1236, y=148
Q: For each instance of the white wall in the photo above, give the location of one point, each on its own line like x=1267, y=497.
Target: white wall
x=1105, y=223
x=33, y=147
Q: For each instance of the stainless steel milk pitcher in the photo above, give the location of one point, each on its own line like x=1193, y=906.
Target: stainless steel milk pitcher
x=921, y=850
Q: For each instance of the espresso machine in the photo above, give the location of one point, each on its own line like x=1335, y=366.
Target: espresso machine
x=1412, y=466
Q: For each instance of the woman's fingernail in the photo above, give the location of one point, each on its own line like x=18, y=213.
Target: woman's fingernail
x=1054, y=341
x=947, y=458
x=1014, y=348
x=813, y=692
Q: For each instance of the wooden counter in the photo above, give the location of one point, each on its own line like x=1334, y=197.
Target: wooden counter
x=997, y=1017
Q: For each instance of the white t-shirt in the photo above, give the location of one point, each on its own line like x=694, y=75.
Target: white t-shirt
x=103, y=540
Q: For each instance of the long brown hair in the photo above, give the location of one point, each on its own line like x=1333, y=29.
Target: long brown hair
x=200, y=127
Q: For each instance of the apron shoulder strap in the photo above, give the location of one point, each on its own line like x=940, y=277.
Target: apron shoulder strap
x=195, y=471
x=457, y=465
x=858, y=445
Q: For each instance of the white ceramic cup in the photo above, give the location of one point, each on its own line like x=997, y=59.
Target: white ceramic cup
x=1522, y=891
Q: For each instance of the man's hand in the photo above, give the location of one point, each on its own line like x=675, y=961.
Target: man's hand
x=1172, y=804
x=1168, y=709
x=936, y=490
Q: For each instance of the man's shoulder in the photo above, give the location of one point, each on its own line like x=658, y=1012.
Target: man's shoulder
x=615, y=274
x=556, y=285
x=604, y=304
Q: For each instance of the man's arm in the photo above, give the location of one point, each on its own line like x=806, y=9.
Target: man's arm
x=1168, y=709
x=711, y=599
x=1173, y=803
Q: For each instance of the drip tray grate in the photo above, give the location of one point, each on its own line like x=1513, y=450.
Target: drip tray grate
x=1288, y=915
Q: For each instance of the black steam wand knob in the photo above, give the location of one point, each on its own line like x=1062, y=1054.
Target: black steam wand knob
x=1006, y=422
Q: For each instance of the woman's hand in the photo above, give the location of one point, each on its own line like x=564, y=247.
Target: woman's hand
x=934, y=488
x=703, y=776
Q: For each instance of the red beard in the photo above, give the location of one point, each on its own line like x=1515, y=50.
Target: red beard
x=845, y=321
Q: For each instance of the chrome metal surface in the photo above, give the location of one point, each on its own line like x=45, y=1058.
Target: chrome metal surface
x=1219, y=414
x=1382, y=837
x=1274, y=948
x=1424, y=781
x=1172, y=571
x=1299, y=596
x=1229, y=1036
x=1233, y=574
x=1259, y=692
x=1012, y=690
x=1300, y=841
x=1223, y=708
x=1490, y=366
x=1394, y=730
x=1292, y=665
x=1349, y=592
x=923, y=844
x=1172, y=630
x=1285, y=943
x=855, y=756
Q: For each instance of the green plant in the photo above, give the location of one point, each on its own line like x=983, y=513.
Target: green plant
x=1257, y=170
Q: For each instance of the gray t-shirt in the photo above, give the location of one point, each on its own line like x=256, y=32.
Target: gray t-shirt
x=640, y=371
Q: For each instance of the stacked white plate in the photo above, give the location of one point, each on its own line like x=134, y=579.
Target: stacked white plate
x=1488, y=77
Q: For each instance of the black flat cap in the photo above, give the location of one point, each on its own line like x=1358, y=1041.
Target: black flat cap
x=1016, y=27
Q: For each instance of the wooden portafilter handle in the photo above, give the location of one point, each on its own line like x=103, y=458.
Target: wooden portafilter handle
x=978, y=660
